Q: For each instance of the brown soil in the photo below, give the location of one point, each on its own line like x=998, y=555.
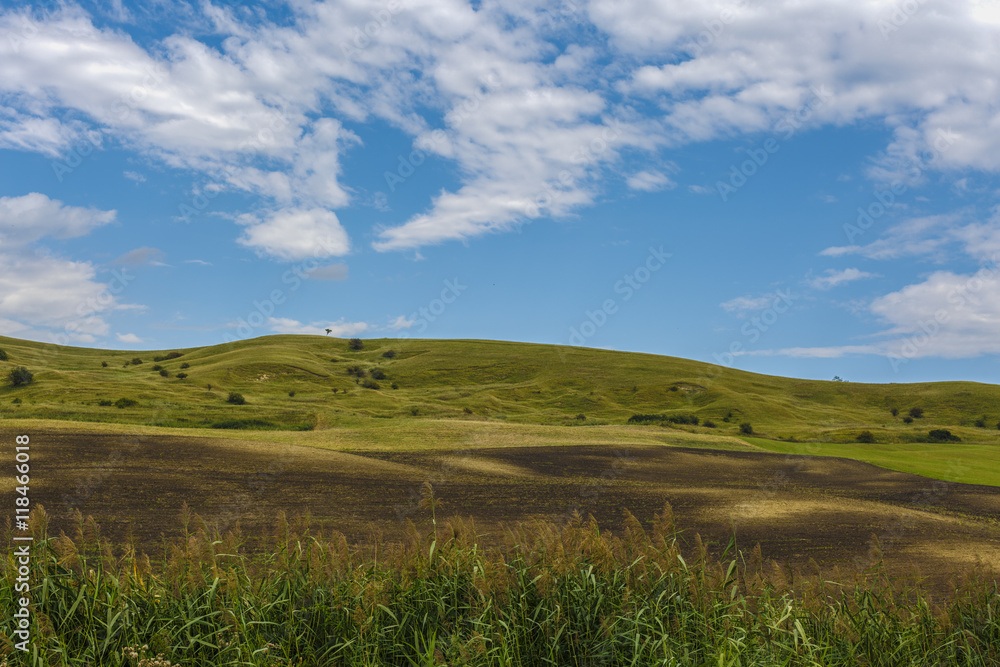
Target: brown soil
x=798, y=508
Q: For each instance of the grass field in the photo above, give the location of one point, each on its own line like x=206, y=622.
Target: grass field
x=519, y=452
x=299, y=389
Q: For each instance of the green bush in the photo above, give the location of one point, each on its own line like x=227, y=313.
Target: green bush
x=467, y=410
x=907, y=419
x=168, y=356
x=396, y=386
x=414, y=411
x=579, y=417
x=185, y=365
x=126, y=403
x=3, y=356
x=157, y=367
x=389, y=354
x=104, y=364
x=981, y=422
x=181, y=376
x=708, y=423
x=105, y=403
x=942, y=435
x=378, y=374
x=370, y=384
x=357, y=371
x=746, y=428
x=20, y=376
x=16, y=401
x=165, y=373
x=236, y=399
x=916, y=413
x=355, y=344
x=866, y=437
x=136, y=361
x=895, y=412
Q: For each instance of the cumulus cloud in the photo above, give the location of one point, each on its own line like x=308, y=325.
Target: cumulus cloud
x=295, y=234
x=34, y=216
x=129, y=338
x=140, y=256
x=401, y=323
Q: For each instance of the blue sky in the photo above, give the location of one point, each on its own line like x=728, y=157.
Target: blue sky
x=796, y=188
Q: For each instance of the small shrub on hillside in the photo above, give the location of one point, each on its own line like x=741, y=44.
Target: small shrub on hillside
x=185, y=365
x=866, y=437
x=236, y=399
x=157, y=367
x=378, y=374
x=3, y=356
x=396, y=386
x=729, y=415
x=168, y=356
x=998, y=426
x=181, y=376
x=581, y=417
x=414, y=411
x=165, y=373
x=674, y=388
x=916, y=413
x=895, y=412
x=17, y=401
x=355, y=344
x=981, y=422
x=942, y=435
x=105, y=403
x=370, y=384
x=136, y=361
x=907, y=419
x=467, y=410
x=104, y=364
x=357, y=371
x=291, y=394
x=708, y=423
x=126, y=403
x=389, y=354
x=20, y=376
x=746, y=428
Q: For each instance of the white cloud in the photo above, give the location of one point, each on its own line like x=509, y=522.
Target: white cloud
x=200, y=262
x=129, y=338
x=43, y=296
x=832, y=278
x=340, y=328
x=700, y=190
x=34, y=216
x=650, y=181
x=744, y=304
x=294, y=234
x=834, y=352
x=401, y=323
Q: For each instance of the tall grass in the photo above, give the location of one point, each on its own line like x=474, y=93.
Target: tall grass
x=565, y=594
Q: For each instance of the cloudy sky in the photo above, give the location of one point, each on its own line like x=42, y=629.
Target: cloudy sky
x=804, y=188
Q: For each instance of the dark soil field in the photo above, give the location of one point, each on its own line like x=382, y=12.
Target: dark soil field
x=832, y=511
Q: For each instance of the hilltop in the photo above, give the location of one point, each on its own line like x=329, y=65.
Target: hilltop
x=316, y=382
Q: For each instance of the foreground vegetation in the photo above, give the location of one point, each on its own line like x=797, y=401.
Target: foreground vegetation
x=559, y=594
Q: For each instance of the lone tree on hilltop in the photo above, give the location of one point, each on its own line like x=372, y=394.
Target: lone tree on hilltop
x=355, y=344
x=20, y=376
x=329, y=331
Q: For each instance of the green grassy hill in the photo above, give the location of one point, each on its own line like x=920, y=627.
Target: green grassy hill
x=458, y=380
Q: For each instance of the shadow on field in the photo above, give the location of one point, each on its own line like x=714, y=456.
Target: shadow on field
x=836, y=512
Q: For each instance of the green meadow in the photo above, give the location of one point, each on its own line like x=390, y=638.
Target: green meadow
x=418, y=394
